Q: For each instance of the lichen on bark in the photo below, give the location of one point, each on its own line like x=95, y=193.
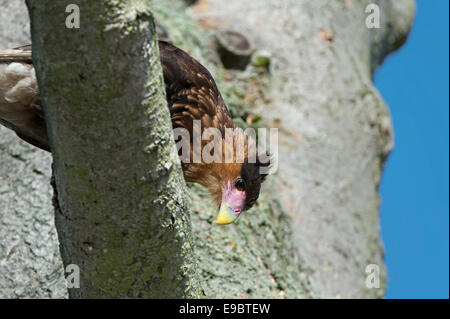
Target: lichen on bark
x=316, y=225
x=254, y=257
x=121, y=212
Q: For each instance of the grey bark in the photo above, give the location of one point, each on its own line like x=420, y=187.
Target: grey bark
x=316, y=226
x=335, y=129
x=30, y=262
x=120, y=208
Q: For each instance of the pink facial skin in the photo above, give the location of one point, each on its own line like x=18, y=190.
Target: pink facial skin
x=233, y=198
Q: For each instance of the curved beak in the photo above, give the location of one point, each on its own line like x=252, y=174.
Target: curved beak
x=226, y=215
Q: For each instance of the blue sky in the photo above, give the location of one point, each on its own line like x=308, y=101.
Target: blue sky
x=414, y=82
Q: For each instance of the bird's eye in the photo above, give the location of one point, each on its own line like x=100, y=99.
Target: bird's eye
x=240, y=184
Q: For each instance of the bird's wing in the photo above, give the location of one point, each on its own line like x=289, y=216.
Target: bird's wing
x=20, y=104
x=20, y=54
x=191, y=92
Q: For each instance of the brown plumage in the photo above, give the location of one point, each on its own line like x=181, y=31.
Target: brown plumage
x=192, y=95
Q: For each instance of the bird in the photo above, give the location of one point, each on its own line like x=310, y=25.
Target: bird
x=192, y=97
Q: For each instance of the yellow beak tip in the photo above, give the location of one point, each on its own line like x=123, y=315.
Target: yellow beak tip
x=223, y=222
x=225, y=216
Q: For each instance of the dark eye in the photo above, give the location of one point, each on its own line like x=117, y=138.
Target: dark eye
x=240, y=184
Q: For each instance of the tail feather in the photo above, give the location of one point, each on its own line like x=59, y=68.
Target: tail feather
x=20, y=54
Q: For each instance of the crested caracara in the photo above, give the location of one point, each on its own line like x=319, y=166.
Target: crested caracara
x=192, y=95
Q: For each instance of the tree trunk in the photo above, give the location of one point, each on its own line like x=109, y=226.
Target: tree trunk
x=30, y=262
x=335, y=129
x=315, y=228
x=121, y=212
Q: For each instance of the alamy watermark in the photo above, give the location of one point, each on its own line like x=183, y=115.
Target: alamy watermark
x=373, y=276
x=73, y=17
x=373, y=17
x=237, y=146
x=73, y=276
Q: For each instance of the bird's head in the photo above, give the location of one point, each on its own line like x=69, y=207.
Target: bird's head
x=240, y=185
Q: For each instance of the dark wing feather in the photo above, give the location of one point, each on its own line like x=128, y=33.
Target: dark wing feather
x=20, y=54
x=191, y=91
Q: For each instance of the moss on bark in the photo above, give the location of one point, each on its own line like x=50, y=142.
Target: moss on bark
x=121, y=209
x=315, y=227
